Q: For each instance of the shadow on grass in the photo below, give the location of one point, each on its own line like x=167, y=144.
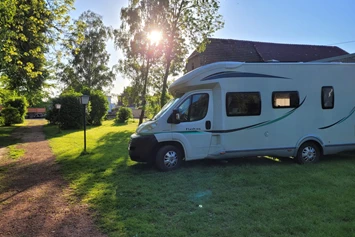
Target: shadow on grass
x=54, y=130
x=114, y=124
x=135, y=199
x=340, y=157
x=266, y=161
x=121, y=190
x=6, y=138
x=110, y=155
x=252, y=161
x=123, y=124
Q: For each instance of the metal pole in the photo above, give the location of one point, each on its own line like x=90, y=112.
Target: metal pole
x=84, y=128
x=59, y=121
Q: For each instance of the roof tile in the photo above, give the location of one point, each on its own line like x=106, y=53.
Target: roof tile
x=252, y=51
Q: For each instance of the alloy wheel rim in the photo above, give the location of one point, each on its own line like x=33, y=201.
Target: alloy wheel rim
x=309, y=154
x=170, y=159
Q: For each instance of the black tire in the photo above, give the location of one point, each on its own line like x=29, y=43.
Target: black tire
x=308, y=152
x=168, y=158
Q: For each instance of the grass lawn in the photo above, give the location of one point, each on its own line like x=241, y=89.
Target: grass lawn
x=5, y=136
x=6, y=140
x=241, y=197
x=12, y=151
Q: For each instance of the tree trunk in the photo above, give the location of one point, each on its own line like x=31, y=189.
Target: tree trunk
x=141, y=117
x=165, y=80
x=168, y=55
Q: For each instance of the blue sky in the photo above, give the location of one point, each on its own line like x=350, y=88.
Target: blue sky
x=320, y=22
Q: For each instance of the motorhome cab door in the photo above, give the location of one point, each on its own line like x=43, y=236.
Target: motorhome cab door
x=195, y=121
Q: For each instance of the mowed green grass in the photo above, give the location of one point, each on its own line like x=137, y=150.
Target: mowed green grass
x=12, y=151
x=6, y=140
x=5, y=136
x=241, y=197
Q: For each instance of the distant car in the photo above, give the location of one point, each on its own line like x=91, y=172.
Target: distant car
x=38, y=116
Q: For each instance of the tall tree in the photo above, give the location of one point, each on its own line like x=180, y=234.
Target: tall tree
x=136, y=39
x=185, y=21
x=184, y=24
x=88, y=58
x=27, y=30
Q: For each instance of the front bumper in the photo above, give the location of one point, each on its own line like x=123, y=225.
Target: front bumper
x=141, y=148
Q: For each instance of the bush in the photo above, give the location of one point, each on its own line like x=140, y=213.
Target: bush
x=99, y=107
x=123, y=115
x=11, y=115
x=2, y=121
x=71, y=112
x=52, y=112
x=19, y=103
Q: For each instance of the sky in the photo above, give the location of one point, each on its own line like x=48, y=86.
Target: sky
x=318, y=22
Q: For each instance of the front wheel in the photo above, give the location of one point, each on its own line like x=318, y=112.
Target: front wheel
x=309, y=152
x=168, y=158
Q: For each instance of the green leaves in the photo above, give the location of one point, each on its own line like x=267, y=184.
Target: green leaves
x=123, y=115
x=15, y=110
x=87, y=55
x=99, y=107
x=27, y=30
x=185, y=25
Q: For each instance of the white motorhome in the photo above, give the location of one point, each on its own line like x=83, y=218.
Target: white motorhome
x=231, y=109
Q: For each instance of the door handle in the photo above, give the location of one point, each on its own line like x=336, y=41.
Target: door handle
x=208, y=124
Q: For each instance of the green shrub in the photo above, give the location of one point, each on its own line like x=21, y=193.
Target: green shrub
x=52, y=112
x=11, y=115
x=20, y=103
x=70, y=115
x=71, y=112
x=50, y=116
x=123, y=115
x=2, y=121
x=99, y=107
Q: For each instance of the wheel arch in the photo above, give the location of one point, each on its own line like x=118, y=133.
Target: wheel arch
x=313, y=139
x=173, y=143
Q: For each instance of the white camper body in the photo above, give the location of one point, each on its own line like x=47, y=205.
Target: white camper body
x=232, y=109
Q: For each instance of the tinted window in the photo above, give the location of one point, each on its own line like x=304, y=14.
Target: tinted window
x=184, y=110
x=285, y=99
x=194, y=108
x=327, y=97
x=243, y=103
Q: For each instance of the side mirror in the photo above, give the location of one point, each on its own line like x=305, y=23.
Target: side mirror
x=176, y=116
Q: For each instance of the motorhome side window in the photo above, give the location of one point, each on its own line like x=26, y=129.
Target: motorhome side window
x=243, y=103
x=327, y=97
x=194, y=108
x=285, y=99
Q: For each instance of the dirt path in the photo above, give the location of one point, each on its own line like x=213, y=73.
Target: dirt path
x=35, y=200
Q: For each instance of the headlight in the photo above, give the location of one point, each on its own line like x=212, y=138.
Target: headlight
x=146, y=128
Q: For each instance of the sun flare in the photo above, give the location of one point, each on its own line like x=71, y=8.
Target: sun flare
x=154, y=36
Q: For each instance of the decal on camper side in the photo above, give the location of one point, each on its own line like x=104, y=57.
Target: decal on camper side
x=339, y=121
x=262, y=123
x=239, y=74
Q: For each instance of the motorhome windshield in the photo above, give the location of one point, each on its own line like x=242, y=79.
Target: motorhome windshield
x=165, y=108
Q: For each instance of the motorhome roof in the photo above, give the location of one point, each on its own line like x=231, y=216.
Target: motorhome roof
x=202, y=72
x=193, y=78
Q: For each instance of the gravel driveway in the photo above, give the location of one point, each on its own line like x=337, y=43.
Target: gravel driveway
x=34, y=200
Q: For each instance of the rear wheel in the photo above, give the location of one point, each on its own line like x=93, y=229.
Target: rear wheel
x=309, y=152
x=168, y=158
